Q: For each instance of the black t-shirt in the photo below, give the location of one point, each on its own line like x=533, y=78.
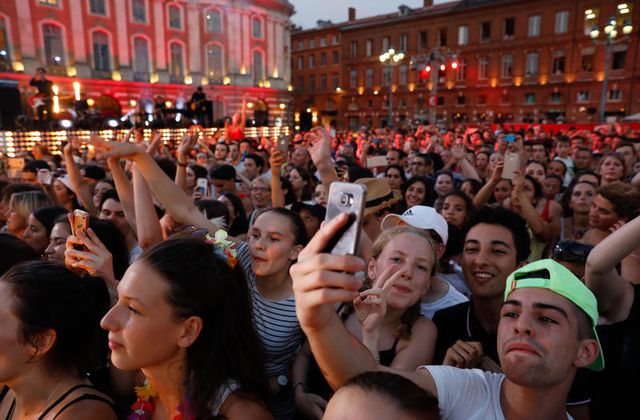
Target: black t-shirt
x=459, y=322
x=44, y=86
x=615, y=388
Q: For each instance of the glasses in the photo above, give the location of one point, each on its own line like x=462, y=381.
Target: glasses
x=571, y=251
x=417, y=164
x=260, y=189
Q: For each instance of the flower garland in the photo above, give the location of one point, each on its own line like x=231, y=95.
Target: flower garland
x=143, y=408
x=223, y=247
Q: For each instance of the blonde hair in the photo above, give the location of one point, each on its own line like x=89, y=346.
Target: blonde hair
x=24, y=203
x=411, y=314
x=261, y=181
x=387, y=235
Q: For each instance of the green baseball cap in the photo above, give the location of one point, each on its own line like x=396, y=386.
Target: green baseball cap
x=548, y=274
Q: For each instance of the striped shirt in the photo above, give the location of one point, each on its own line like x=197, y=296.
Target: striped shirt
x=275, y=321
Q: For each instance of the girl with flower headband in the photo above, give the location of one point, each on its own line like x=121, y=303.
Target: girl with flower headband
x=183, y=318
x=274, y=241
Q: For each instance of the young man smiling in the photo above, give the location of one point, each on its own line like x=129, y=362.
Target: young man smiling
x=545, y=333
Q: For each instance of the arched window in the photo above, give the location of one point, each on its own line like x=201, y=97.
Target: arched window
x=176, y=66
x=101, y=55
x=142, y=61
x=53, y=45
x=215, y=63
x=258, y=66
x=213, y=21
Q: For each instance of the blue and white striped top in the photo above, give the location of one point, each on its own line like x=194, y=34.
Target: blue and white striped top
x=275, y=321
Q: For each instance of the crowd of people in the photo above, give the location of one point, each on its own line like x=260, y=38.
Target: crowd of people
x=496, y=277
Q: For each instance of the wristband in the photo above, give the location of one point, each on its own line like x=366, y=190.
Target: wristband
x=181, y=164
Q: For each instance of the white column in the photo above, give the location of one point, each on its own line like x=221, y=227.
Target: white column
x=24, y=30
x=123, y=37
x=271, y=58
x=279, y=46
x=195, y=49
x=161, y=45
x=233, y=27
x=246, y=42
x=77, y=31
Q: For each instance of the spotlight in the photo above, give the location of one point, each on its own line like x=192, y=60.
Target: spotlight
x=112, y=123
x=66, y=124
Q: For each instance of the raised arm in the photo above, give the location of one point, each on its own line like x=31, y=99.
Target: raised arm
x=183, y=160
x=148, y=227
x=614, y=293
x=81, y=188
x=277, y=195
x=486, y=191
x=320, y=152
x=320, y=281
x=124, y=189
x=175, y=201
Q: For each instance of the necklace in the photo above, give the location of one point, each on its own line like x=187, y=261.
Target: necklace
x=143, y=408
x=13, y=404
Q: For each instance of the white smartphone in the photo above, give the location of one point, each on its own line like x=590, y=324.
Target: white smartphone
x=202, y=185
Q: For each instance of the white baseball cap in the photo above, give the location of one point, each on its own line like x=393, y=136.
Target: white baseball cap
x=419, y=217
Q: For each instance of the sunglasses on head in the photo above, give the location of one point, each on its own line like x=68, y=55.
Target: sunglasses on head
x=571, y=251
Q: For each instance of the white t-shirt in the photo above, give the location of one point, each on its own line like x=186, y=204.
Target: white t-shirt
x=468, y=394
x=452, y=297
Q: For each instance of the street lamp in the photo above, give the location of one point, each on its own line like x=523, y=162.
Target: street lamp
x=391, y=58
x=610, y=31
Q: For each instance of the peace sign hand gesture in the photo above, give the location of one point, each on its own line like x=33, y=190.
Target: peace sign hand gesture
x=371, y=305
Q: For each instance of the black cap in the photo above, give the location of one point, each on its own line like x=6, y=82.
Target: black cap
x=223, y=172
x=315, y=209
x=94, y=172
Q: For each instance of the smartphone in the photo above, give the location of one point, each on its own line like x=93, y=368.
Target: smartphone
x=511, y=165
x=14, y=167
x=510, y=137
x=80, y=224
x=282, y=145
x=202, y=185
x=44, y=176
x=345, y=197
x=376, y=161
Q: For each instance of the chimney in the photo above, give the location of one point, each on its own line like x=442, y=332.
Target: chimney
x=428, y=3
x=352, y=14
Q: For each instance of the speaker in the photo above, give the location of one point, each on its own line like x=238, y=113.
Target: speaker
x=10, y=105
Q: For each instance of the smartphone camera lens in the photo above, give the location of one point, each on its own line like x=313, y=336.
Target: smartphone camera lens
x=346, y=200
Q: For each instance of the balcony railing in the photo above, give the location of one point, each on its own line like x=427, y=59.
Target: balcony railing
x=101, y=74
x=141, y=76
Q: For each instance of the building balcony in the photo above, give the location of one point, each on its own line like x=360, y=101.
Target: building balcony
x=176, y=78
x=101, y=74
x=141, y=76
x=57, y=69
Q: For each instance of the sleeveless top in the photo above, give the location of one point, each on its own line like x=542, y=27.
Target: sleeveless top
x=58, y=403
x=235, y=133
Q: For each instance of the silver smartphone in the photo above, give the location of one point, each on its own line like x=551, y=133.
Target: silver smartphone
x=345, y=197
x=511, y=165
